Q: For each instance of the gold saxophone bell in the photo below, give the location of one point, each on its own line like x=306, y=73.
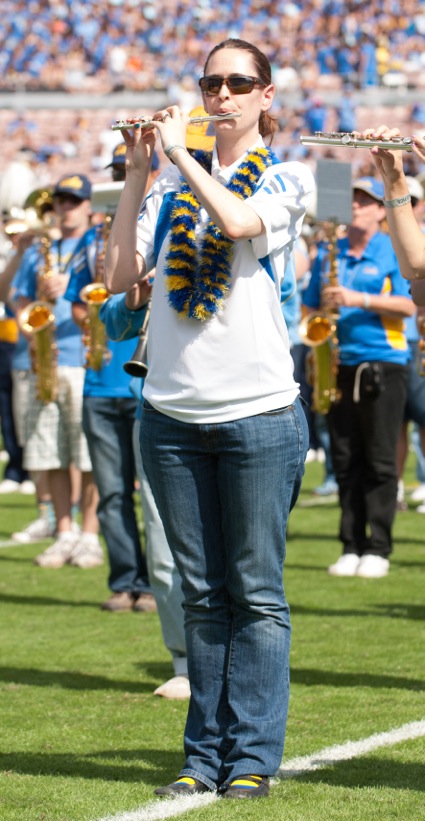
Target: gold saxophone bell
x=96, y=346
x=38, y=321
x=95, y=294
x=319, y=332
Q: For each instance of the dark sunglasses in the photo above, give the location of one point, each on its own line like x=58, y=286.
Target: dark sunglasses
x=236, y=83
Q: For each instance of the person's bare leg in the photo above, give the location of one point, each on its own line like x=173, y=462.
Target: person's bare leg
x=60, y=488
x=89, y=503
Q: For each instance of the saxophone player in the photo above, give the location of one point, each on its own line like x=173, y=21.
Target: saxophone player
x=54, y=436
x=372, y=300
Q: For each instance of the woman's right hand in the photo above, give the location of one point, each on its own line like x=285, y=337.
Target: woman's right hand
x=140, y=144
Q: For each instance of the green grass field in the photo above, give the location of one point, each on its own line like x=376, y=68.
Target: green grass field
x=83, y=738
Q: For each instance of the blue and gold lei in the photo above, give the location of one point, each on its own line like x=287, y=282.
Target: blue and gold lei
x=198, y=274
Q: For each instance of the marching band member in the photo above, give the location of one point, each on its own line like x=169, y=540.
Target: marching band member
x=55, y=441
x=372, y=300
x=223, y=433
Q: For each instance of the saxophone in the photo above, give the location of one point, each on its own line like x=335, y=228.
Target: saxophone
x=319, y=331
x=95, y=295
x=38, y=321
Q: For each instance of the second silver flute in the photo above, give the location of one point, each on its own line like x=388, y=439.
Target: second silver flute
x=345, y=139
x=120, y=125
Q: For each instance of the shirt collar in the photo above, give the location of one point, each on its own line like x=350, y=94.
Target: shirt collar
x=223, y=175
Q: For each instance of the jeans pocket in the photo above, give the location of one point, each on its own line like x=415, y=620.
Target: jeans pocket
x=278, y=411
x=146, y=406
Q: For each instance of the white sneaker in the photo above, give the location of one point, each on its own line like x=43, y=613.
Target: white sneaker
x=311, y=456
x=373, y=567
x=59, y=553
x=346, y=565
x=27, y=488
x=87, y=551
x=34, y=532
x=9, y=486
x=421, y=508
x=418, y=495
x=177, y=687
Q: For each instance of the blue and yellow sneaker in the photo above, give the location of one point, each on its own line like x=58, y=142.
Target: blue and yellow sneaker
x=248, y=786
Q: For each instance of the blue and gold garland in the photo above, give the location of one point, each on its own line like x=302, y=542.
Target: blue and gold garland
x=198, y=276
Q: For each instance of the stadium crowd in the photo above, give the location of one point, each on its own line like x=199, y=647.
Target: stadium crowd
x=105, y=46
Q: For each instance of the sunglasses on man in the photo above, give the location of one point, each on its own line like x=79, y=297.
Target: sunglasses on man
x=236, y=83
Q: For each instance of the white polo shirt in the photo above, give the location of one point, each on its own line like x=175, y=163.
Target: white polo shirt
x=237, y=363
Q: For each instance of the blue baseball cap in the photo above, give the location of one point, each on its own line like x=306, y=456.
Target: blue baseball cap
x=77, y=185
x=118, y=155
x=372, y=186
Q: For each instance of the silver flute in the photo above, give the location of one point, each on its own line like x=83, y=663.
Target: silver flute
x=351, y=140
x=120, y=125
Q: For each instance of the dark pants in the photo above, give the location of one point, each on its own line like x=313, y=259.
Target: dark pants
x=108, y=425
x=14, y=469
x=364, y=438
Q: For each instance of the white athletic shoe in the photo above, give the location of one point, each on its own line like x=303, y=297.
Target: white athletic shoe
x=27, y=488
x=346, y=565
x=59, y=553
x=373, y=567
x=34, y=532
x=177, y=688
x=9, y=486
x=87, y=551
x=418, y=495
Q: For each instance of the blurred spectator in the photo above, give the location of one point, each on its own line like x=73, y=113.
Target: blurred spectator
x=80, y=46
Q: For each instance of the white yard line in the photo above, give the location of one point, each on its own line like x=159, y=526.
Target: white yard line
x=351, y=749
x=10, y=543
x=161, y=809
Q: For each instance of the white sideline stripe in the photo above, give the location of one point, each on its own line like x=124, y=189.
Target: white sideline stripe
x=10, y=543
x=160, y=810
x=164, y=808
x=351, y=749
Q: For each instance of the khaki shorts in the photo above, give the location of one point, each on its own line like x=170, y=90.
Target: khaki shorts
x=20, y=403
x=54, y=434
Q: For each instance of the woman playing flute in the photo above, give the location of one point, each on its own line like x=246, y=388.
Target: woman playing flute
x=406, y=235
x=223, y=434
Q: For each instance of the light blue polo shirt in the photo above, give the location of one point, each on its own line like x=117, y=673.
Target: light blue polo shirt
x=362, y=334
x=67, y=333
x=111, y=380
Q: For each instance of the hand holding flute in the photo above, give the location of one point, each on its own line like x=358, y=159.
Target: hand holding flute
x=406, y=235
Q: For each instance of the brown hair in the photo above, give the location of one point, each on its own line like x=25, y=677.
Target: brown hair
x=267, y=124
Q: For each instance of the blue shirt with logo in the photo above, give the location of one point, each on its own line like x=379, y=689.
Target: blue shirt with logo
x=362, y=334
x=111, y=380
x=67, y=334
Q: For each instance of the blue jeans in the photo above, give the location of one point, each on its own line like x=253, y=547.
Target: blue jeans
x=108, y=426
x=224, y=493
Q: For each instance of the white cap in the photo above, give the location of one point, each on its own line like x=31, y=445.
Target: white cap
x=415, y=188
